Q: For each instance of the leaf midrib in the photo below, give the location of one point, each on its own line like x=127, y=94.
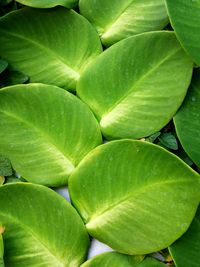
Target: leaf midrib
x=35, y=236
x=42, y=134
x=141, y=79
x=73, y=72
x=110, y=25
x=143, y=189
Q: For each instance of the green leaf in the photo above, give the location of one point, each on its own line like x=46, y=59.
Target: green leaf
x=113, y=259
x=116, y=20
x=2, y=180
x=15, y=77
x=13, y=179
x=153, y=137
x=41, y=228
x=45, y=132
x=187, y=120
x=3, y=65
x=185, y=251
x=1, y=251
x=49, y=3
x=48, y=45
x=185, y=19
x=168, y=140
x=5, y=166
x=137, y=85
x=134, y=196
x=150, y=262
x=5, y=2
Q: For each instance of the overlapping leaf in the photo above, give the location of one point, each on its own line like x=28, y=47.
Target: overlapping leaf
x=185, y=19
x=186, y=250
x=187, y=120
x=45, y=131
x=125, y=191
x=41, y=228
x=50, y=46
x=116, y=20
x=113, y=259
x=137, y=85
x=49, y=3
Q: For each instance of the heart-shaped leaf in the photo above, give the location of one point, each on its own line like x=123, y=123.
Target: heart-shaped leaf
x=113, y=259
x=137, y=85
x=187, y=120
x=135, y=196
x=185, y=251
x=49, y=3
x=51, y=46
x=185, y=19
x=41, y=228
x=150, y=262
x=45, y=131
x=116, y=20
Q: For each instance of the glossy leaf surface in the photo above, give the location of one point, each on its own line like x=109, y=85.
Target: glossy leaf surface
x=185, y=19
x=51, y=46
x=113, y=259
x=125, y=191
x=45, y=132
x=185, y=251
x=119, y=19
x=187, y=120
x=137, y=85
x=41, y=228
x=49, y=3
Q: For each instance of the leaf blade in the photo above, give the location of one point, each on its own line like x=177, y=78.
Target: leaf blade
x=131, y=194
x=51, y=144
x=135, y=94
x=56, y=56
x=48, y=243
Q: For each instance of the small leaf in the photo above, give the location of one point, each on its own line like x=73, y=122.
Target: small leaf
x=13, y=179
x=15, y=77
x=185, y=251
x=150, y=262
x=5, y=166
x=2, y=180
x=153, y=137
x=113, y=259
x=41, y=228
x=3, y=65
x=134, y=196
x=169, y=140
